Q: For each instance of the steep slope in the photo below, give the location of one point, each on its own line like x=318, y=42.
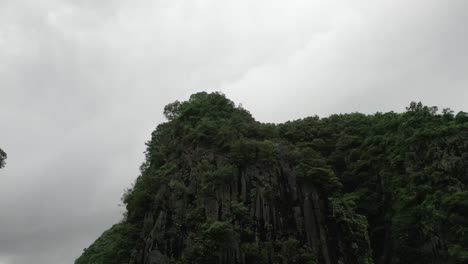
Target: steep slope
x=219, y=187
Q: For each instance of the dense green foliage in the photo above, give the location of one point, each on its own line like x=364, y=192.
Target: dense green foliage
x=219, y=187
x=113, y=247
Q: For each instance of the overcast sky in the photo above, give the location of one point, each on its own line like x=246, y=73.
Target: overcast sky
x=83, y=83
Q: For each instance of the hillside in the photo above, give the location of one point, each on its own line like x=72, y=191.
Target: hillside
x=218, y=187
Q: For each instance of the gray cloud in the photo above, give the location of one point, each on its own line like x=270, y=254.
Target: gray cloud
x=83, y=84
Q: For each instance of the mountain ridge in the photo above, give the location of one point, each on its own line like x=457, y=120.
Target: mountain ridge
x=219, y=187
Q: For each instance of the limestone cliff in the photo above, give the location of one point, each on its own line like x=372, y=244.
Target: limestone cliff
x=218, y=187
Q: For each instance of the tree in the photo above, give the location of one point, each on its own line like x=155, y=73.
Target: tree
x=3, y=157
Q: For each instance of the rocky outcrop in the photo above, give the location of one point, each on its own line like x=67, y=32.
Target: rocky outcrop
x=217, y=187
x=265, y=199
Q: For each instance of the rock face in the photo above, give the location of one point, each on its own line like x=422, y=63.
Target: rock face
x=265, y=206
x=217, y=187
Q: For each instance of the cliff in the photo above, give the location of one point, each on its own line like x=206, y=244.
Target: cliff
x=219, y=187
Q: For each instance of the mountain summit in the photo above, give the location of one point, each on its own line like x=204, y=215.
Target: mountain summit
x=218, y=187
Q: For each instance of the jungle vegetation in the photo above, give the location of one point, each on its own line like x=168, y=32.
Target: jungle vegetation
x=219, y=187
